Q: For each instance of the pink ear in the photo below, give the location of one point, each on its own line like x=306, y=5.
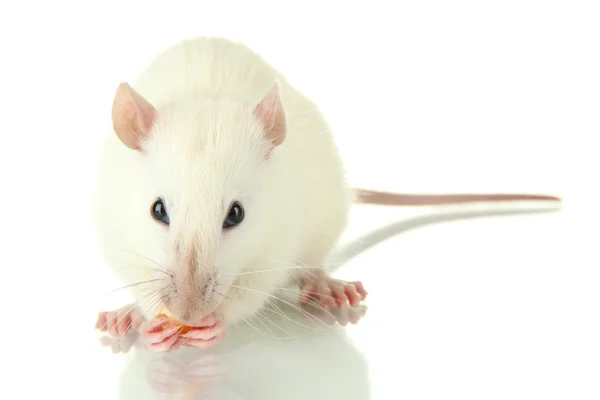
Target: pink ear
x=132, y=116
x=271, y=113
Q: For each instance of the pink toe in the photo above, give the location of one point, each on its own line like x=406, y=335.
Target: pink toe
x=324, y=294
x=101, y=323
x=159, y=336
x=169, y=344
x=111, y=323
x=123, y=324
x=202, y=343
x=353, y=296
x=339, y=295
x=137, y=322
x=155, y=324
x=360, y=289
x=203, y=333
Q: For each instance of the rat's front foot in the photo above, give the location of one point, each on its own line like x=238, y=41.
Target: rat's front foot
x=317, y=286
x=121, y=321
x=165, y=334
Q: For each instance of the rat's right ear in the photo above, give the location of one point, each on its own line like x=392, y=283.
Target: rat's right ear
x=271, y=113
x=132, y=116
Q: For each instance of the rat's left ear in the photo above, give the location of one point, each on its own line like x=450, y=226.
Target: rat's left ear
x=132, y=116
x=271, y=113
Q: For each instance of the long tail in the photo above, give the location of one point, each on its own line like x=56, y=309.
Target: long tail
x=365, y=196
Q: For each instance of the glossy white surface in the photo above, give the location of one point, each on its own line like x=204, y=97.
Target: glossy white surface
x=452, y=97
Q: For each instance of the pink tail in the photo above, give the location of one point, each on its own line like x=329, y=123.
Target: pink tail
x=365, y=196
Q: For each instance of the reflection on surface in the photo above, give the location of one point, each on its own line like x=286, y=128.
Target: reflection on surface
x=365, y=242
x=294, y=354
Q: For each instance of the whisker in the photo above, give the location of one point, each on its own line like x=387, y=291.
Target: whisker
x=256, y=329
x=294, y=291
x=222, y=319
x=278, y=326
x=133, y=284
x=276, y=306
x=281, y=314
x=151, y=298
x=216, y=305
x=316, y=304
x=237, y=324
x=129, y=326
x=129, y=307
x=313, y=137
x=121, y=311
x=144, y=257
x=269, y=320
x=144, y=268
x=278, y=298
x=222, y=295
x=253, y=327
x=259, y=318
x=151, y=309
x=304, y=269
x=310, y=301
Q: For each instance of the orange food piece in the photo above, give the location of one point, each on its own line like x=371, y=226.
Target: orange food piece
x=171, y=321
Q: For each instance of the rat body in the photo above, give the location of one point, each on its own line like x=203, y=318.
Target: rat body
x=222, y=183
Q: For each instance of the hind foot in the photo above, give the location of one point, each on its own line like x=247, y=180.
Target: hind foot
x=121, y=321
x=317, y=286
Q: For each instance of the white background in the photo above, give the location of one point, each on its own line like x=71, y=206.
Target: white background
x=422, y=96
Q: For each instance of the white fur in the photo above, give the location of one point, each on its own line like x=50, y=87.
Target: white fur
x=205, y=150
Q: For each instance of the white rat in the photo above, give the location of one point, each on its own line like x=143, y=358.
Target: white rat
x=221, y=183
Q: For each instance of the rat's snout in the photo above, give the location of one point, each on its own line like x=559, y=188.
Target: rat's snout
x=190, y=301
x=193, y=285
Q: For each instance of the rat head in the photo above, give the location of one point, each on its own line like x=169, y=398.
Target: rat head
x=199, y=164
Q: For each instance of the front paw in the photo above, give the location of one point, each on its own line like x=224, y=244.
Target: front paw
x=320, y=288
x=164, y=334
x=121, y=321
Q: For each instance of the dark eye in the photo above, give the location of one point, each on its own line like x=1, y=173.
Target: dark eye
x=234, y=216
x=159, y=212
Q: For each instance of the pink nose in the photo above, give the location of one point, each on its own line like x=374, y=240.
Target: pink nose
x=186, y=309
